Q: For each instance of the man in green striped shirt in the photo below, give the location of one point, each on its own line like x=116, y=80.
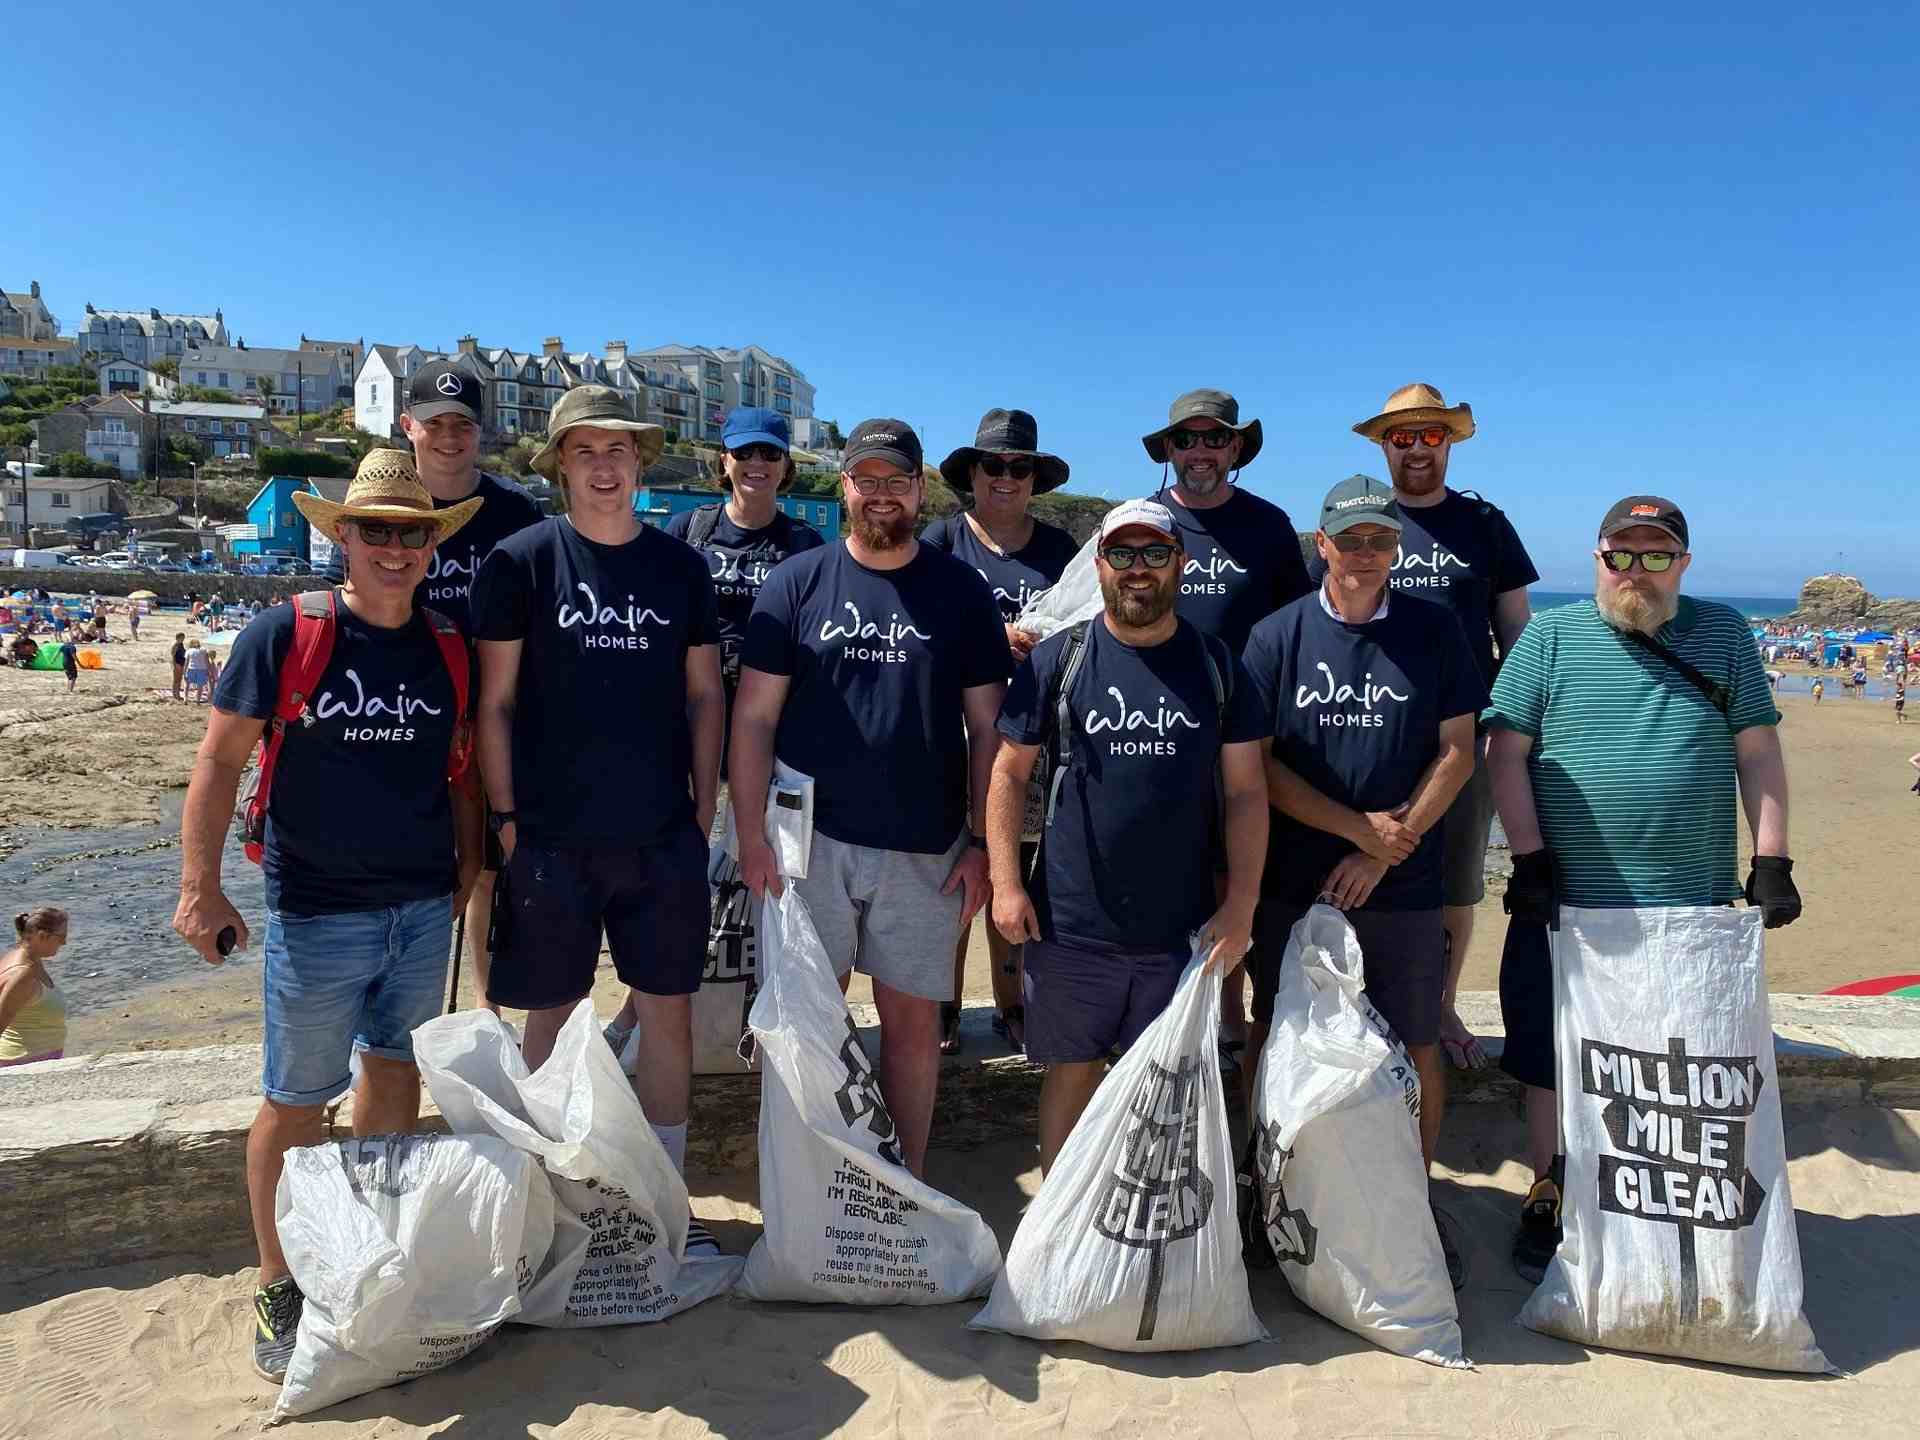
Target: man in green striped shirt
x=1621, y=729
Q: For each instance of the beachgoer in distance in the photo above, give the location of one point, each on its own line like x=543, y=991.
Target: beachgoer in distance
x=179, y=662
x=135, y=608
x=1819, y=688
x=370, y=847
x=600, y=723
x=864, y=661
x=741, y=539
x=1126, y=871
x=70, y=663
x=1900, y=701
x=442, y=424
x=1242, y=563
x=199, y=672
x=1371, y=695
x=1463, y=552
x=1640, y=811
x=1020, y=558
x=33, y=1012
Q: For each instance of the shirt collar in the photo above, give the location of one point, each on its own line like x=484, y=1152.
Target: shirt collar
x=1386, y=599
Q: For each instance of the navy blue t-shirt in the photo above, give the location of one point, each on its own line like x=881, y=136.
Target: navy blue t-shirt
x=878, y=661
x=602, y=756
x=739, y=561
x=1355, y=712
x=1243, y=563
x=382, y=726
x=1461, y=553
x=1015, y=578
x=504, y=509
x=1128, y=860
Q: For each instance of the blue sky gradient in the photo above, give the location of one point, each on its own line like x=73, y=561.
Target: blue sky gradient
x=1655, y=254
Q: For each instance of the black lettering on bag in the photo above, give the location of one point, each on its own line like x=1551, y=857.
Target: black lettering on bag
x=859, y=1098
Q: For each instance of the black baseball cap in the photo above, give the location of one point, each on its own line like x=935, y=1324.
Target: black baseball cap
x=1646, y=510
x=438, y=388
x=889, y=440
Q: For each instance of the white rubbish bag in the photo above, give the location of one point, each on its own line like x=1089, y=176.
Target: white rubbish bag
x=1679, y=1225
x=619, y=1252
x=1074, y=597
x=410, y=1251
x=1132, y=1243
x=846, y=1221
x=1335, y=1175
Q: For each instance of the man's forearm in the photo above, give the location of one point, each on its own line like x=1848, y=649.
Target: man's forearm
x=469, y=819
x=1295, y=798
x=749, y=769
x=982, y=747
x=1246, y=827
x=1513, y=799
x=493, y=741
x=1006, y=808
x=203, y=822
x=1441, y=781
x=707, y=725
x=1762, y=771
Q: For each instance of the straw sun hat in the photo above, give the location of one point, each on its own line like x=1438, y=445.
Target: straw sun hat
x=1419, y=404
x=385, y=487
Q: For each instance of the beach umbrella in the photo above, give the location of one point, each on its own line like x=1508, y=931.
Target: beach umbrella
x=143, y=595
x=1905, y=987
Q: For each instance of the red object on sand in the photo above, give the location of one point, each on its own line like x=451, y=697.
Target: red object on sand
x=1907, y=986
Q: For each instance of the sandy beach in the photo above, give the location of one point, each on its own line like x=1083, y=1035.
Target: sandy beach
x=119, y=751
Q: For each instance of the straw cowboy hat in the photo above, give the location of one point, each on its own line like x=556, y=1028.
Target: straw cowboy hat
x=1005, y=432
x=601, y=407
x=385, y=487
x=1418, y=404
x=1206, y=405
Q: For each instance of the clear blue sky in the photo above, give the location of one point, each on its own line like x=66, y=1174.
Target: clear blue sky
x=1655, y=254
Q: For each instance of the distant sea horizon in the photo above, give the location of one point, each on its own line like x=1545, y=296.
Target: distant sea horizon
x=1754, y=607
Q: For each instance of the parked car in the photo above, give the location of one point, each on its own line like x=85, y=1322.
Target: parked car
x=117, y=560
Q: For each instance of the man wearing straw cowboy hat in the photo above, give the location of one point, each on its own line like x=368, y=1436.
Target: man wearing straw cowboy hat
x=599, y=724
x=369, y=847
x=1461, y=551
x=442, y=422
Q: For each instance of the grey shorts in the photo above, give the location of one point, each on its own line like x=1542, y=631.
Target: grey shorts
x=881, y=912
x=1463, y=831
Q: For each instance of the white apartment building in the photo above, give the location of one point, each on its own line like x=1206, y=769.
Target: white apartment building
x=146, y=335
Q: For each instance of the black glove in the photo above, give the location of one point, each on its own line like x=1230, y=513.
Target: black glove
x=1771, y=891
x=1533, y=893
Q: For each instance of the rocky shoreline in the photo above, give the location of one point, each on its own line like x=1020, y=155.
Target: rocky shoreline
x=1830, y=601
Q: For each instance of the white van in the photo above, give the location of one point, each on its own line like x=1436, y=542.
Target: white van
x=33, y=559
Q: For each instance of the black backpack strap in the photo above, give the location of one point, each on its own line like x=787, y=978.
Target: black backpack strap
x=705, y=521
x=1063, y=713
x=1717, y=694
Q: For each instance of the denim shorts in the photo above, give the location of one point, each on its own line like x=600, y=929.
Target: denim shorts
x=335, y=984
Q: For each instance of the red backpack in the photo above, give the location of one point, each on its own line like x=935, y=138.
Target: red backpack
x=313, y=629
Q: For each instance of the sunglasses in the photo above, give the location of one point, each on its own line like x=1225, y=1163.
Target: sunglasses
x=993, y=467
x=1193, y=439
x=1654, y=562
x=1354, y=544
x=1121, y=557
x=1432, y=436
x=411, y=536
x=874, y=484
x=759, y=451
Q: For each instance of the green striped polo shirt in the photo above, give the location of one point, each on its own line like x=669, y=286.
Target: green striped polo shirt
x=1632, y=767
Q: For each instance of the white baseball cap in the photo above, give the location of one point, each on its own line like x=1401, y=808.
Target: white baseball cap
x=1148, y=514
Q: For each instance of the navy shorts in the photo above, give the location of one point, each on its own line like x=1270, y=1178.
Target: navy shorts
x=1526, y=1004
x=549, y=907
x=1082, y=1004
x=1406, y=964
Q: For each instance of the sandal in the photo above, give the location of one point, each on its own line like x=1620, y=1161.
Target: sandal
x=949, y=1029
x=1010, y=1025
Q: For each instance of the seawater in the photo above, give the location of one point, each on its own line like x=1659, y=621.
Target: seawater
x=1754, y=607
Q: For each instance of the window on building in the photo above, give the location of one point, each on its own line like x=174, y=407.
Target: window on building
x=115, y=427
x=62, y=500
x=224, y=382
x=713, y=391
x=783, y=404
x=190, y=425
x=199, y=377
x=214, y=427
x=713, y=370
x=373, y=393
x=509, y=393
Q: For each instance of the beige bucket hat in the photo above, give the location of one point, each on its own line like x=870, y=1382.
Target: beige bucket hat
x=385, y=487
x=1418, y=404
x=602, y=408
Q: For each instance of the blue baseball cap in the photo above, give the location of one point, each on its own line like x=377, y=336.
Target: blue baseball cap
x=751, y=425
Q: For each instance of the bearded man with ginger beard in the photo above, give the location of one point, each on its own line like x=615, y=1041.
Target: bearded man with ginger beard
x=861, y=661
x=1616, y=774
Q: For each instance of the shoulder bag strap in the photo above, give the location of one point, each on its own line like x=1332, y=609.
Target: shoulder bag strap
x=1717, y=694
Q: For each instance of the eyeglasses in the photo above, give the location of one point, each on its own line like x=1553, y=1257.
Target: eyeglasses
x=411, y=535
x=1121, y=557
x=1654, y=562
x=993, y=467
x=759, y=451
x=1431, y=436
x=1354, y=544
x=1193, y=439
x=874, y=484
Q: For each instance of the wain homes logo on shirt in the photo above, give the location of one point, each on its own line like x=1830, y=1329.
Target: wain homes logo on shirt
x=397, y=712
x=1361, y=702
x=734, y=573
x=863, y=639
x=1022, y=594
x=1210, y=570
x=1126, y=724
x=449, y=577
x=1434, y=570
x=599, y=623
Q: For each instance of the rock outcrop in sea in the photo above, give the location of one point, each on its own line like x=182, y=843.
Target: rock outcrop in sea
x=1841, y=601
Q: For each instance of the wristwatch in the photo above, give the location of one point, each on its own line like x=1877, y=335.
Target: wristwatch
x=978, y=842
x=498, y=820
